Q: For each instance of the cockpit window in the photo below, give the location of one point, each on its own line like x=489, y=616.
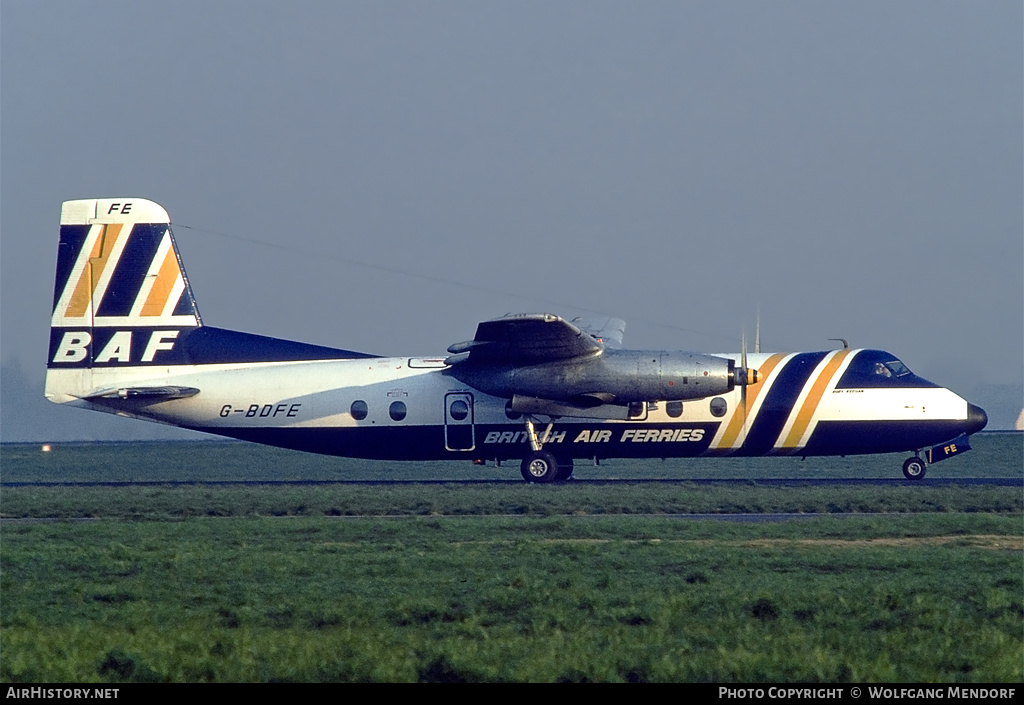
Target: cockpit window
x=897, y=368
x=877, y=368
x=892, y=368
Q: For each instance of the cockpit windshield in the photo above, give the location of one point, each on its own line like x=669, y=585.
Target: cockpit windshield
x=898, y=368
x=877, y=368
x=892, y=368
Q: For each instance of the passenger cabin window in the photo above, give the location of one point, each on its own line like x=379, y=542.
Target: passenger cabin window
x=674, y=409
x=397, y=410
x=358, y=410
x=718, y=407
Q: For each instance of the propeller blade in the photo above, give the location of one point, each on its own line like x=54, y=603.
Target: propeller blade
x=757, y=335
x=746, y=381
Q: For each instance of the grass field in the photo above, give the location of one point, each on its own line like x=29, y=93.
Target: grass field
x=917, y=598
x=163, y=502
x=502, y=581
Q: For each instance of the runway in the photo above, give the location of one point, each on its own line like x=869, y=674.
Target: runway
x=768, y=482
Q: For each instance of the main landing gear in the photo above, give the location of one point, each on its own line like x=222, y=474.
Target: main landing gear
x=540, y=465
x=914, y=468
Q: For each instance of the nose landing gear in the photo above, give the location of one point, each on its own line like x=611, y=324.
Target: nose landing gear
x=914, y=468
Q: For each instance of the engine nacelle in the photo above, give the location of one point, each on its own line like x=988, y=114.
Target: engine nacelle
x=613, y=376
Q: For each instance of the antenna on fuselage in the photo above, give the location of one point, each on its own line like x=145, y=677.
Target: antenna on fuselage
x=846, y=346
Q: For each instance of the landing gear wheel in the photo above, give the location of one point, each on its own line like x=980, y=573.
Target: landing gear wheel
x=914, y=468
x=539, y=466
x=565, y=469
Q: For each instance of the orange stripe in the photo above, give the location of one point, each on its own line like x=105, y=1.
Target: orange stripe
x=810, y=405
x=739, y=416
x=164, y=285
x=92, y=273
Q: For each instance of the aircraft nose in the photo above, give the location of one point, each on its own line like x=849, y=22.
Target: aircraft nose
x=976, y=419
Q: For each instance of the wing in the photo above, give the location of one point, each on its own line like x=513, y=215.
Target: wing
x=525, y=339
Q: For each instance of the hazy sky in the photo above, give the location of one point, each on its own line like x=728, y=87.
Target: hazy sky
x=854, y=169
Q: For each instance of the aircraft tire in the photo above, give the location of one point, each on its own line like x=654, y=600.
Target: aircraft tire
x=565, y=469
x=914, y=468
x=539, y=467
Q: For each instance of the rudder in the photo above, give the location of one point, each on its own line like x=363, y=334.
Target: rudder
x=120, y=295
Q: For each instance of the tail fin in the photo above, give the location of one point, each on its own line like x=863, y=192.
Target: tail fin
x=121, y=294
x=124, y=315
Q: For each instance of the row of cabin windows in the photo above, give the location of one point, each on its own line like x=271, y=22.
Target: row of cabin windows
x=459, y=409
x=359, y=410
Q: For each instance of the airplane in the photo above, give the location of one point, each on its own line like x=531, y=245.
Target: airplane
x=126, y=338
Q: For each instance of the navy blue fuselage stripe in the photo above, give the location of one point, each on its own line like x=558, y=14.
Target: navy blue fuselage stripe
x=72, y=238
x=400, y=442
x=131, y=270
x=779, y=403
x=207, y=345
x=194, y=346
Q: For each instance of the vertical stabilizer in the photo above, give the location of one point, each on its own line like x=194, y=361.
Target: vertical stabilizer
x=121, y=297
x=124, y=316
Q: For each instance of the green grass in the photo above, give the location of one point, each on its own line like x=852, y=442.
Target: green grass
x=166, y=502
x=513, y=599
x=502, y=581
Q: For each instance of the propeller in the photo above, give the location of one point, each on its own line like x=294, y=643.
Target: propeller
x=749, y=375
x=746, y=378
x=757, y=336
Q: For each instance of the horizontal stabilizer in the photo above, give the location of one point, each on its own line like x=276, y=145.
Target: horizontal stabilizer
x=146, y=393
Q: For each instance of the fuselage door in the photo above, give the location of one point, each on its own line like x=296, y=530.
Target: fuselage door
x=458, y=421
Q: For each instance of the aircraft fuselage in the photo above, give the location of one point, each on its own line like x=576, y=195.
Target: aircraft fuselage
x=402, y=408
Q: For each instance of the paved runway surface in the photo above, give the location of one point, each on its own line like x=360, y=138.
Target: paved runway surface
x=775, y=482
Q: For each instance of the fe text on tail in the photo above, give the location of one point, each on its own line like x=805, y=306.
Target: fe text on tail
x=126, y=338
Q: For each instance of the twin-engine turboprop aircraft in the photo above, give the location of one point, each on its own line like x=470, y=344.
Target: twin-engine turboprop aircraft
x=126, y=338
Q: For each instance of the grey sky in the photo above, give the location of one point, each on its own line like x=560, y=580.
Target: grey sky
x=854, y=169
